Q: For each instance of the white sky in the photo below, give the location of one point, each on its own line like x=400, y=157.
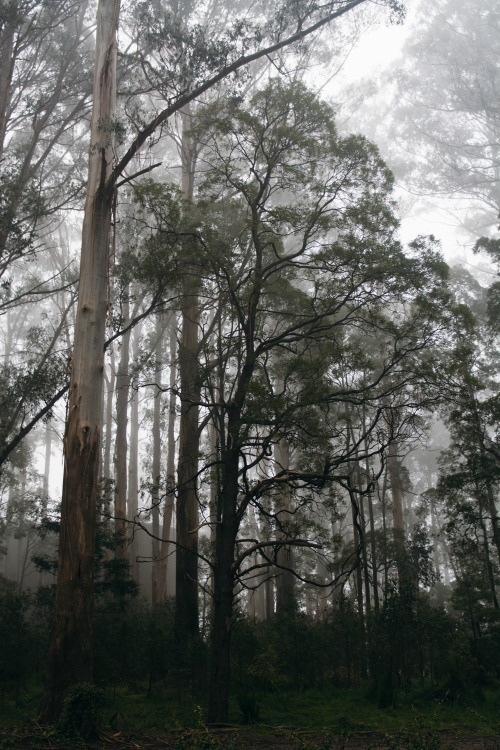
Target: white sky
x=374, y=56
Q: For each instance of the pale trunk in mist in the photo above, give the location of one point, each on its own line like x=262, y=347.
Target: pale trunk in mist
x=70, y=651
x=186, y=576
x=168, y=509
x=133, y=466
x=156, y=467
x=121, y=443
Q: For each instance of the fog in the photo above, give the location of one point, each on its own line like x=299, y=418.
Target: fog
x=294, y=385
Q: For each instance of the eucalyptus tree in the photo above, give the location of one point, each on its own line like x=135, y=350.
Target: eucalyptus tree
x=70, y=652
x=293, y=234
x=148, y=22
x=469, y=476
x=70, y=658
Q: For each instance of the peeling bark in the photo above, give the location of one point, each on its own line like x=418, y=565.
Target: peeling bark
x=70, y=649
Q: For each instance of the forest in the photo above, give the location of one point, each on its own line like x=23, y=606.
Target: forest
x=249, y=368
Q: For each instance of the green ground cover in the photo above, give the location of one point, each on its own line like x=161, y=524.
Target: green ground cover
x=337, y=711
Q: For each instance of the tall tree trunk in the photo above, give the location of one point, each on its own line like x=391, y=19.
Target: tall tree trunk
x=383, y=497
x=285, y=589
x=357, y=500
x=373, y=548
x=7, y=60
x=492, y=505
x=186, y=579
x=257, y=605
x=121, y=443
x=223, y=590
x=186, y=559
x=70, y=651
x=156, y=468
x=170, y=484
x=357, y=546
x=228, y=518
x=364, y=551
x=269, y=591
x=214, y=485
x=108, y=420
x=393, y=470
x=133, y=467
x=46, y=480
x=48, y=455
x=486, y=546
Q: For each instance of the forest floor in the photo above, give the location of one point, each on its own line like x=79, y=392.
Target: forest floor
x=256, y=738
x=245, y=739
x=309, y=720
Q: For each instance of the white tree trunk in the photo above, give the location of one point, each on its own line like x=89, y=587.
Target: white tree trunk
x=70, y=650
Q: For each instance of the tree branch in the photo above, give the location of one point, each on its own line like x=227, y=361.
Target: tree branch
x=186, y=98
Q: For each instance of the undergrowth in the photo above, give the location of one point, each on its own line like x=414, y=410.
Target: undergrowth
x=332, y=715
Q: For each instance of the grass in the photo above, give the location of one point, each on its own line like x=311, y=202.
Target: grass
x=350, y=711
x=342, y=711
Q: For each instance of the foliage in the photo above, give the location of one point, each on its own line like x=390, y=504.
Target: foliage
x=410, y=642
x=81, y=713
x=134, y=643
x=201, y=738
x=318, y=330
x=468, y=483
x=417, y=735
x=18, y=655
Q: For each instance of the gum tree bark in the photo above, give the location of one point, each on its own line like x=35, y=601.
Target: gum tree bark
x=70, y=650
